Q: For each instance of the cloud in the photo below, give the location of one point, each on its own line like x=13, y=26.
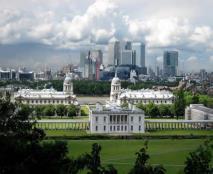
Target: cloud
x=70, y=24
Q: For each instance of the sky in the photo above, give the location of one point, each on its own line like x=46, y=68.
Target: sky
x=51, y=33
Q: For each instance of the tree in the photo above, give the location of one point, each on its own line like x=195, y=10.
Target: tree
x=163, y=110
x=61, y=110
x=39, y=110
x=152, y=110
x=141, y=165
x=179, y=105
x=49, y=110
x=71, y=110
x=195, y=99
x=93, y=163
x=143, y=107
x=199, y=161
x=23, y=149
x=25, y=110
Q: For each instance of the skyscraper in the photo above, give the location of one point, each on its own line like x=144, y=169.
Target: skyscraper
x=97, y=56
x=170, y=63
x=126, y=57
x=139, y=53
x=114, y=52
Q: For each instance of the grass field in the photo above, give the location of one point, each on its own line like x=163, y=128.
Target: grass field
x=160, y=132
x=121, y=153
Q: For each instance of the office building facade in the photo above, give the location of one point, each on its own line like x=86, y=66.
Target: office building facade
x=170, y=63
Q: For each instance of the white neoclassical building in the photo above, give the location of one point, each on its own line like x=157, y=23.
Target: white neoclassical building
x=198, y=112
x=48, y=96
x=112, y=119
x=145, y=96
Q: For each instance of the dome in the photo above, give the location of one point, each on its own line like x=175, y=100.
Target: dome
x=68, y=79
x=115, y=80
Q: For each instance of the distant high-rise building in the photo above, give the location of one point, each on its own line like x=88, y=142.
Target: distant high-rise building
x=139, y=53
x=170, y=63
x=126, y=45
x=203, y=75
x=90, y=62
x=24, y=74
x=97, y=56
x=114, y=52
x=7, y=74
x=126, y=57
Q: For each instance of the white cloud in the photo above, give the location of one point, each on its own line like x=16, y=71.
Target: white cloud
x=202, y=34
x=211, y=59
x=70, y=23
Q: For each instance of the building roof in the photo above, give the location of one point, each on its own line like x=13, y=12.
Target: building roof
x=42, y=94
x=146, y=94
x=113, y=108
x=201, y=107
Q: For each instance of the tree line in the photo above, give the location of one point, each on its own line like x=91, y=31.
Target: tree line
x=177, y=109
x=53, y=110
x=23, y=150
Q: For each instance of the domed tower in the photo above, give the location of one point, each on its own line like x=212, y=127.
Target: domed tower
x=68, y=84
x=115, y=88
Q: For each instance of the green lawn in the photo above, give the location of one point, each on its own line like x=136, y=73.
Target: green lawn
x=160, y=132
x=50, y=133
x=121, y=153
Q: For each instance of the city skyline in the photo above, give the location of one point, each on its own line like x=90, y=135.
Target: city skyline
x=34, y=33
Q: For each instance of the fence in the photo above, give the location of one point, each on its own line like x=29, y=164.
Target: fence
x=149, y=124
x=178, y=124
x=63, y=124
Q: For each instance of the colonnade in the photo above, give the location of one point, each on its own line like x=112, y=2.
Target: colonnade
x=63, y=125
x=174, y=125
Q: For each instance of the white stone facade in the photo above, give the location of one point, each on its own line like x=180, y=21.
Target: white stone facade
x=48, y=96
x=116, y=120
x=198, y=112
x=145, y=96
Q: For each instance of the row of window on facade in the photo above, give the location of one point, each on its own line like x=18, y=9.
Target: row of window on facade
x=118, y=128
x=117, y=119
x=148, y=101
x=48, y=102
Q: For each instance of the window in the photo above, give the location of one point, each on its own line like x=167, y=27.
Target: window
x=139, y=128
x=131, y=128
x=104, y=119
x=131, y=119
x=121, y=128
x=104, y=128
x=125, y=128
x=96, y=119
x=114, y=128
x=110, y=128
x=118, y=128
x=125, y=118
x=139, y=119
x=96, y=128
